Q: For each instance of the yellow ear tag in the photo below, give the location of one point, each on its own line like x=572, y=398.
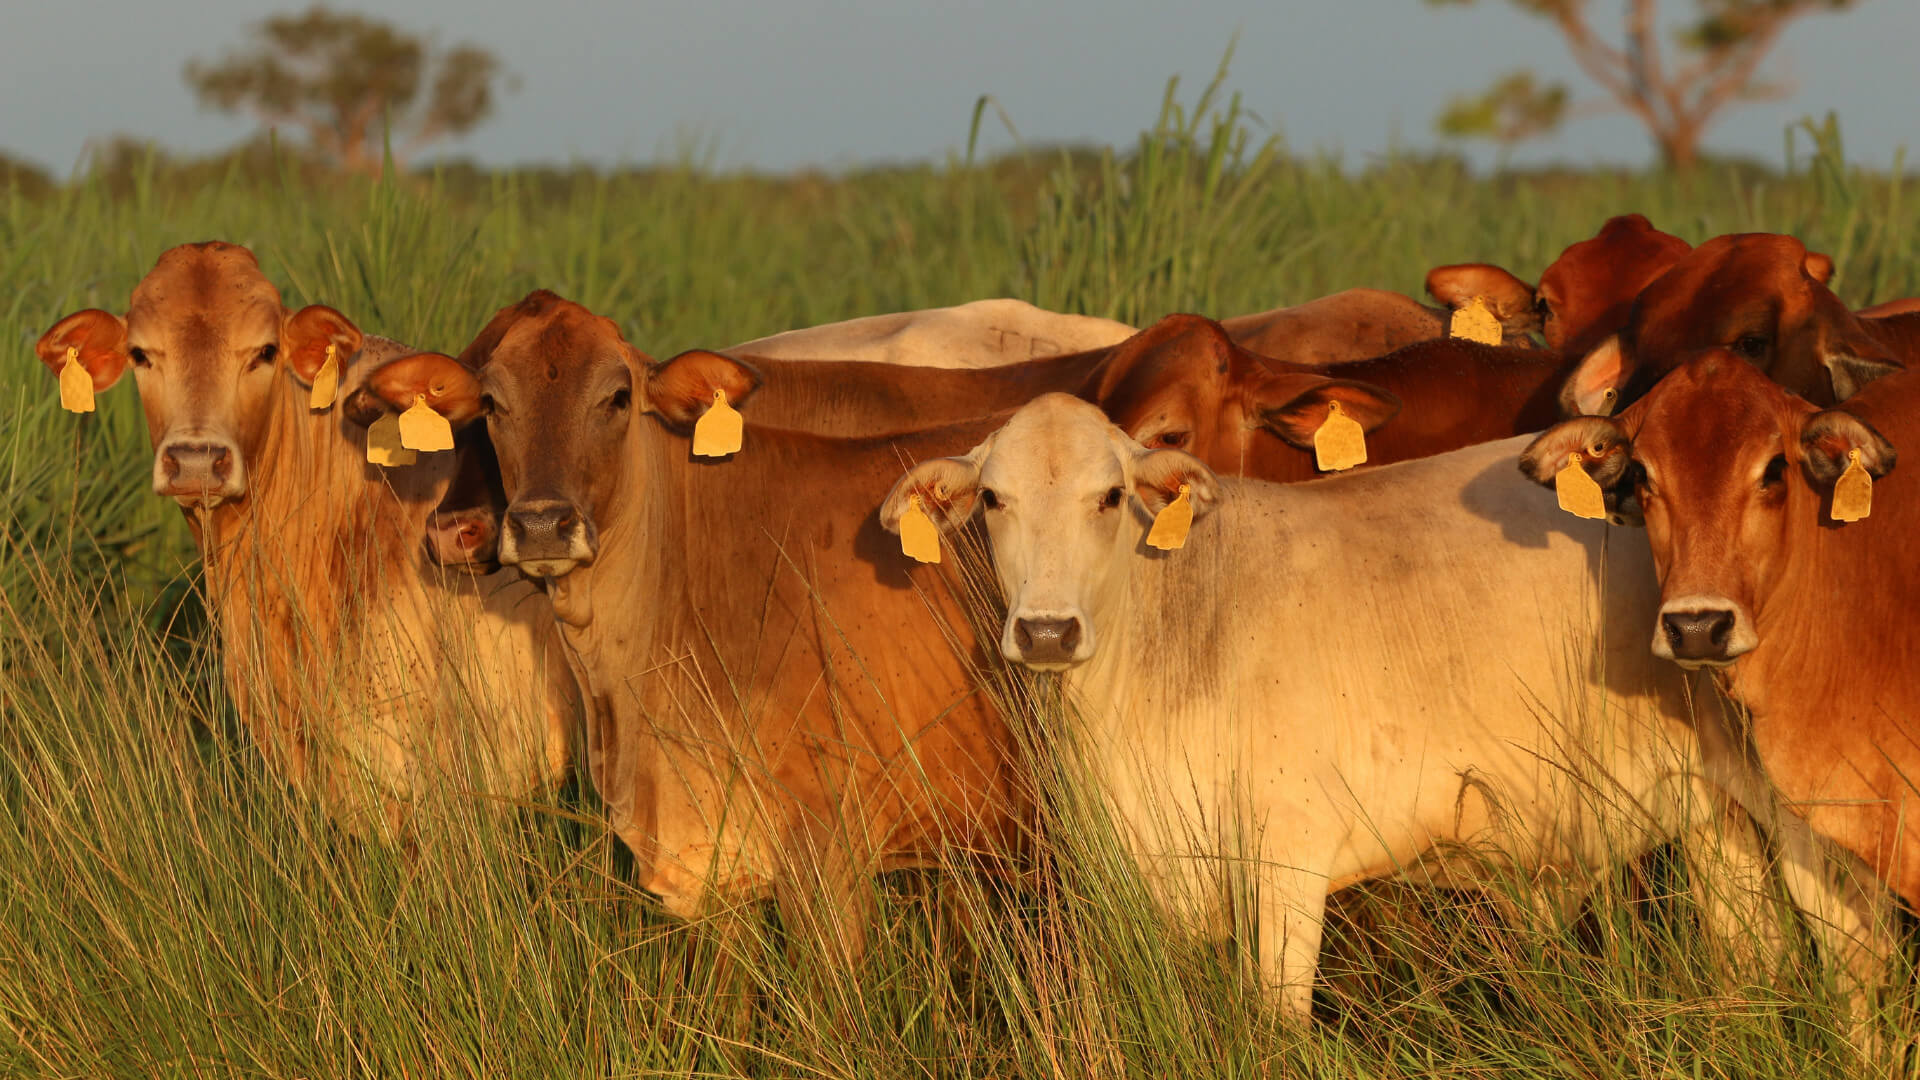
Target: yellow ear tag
x=1607, y=401
x=1171, y=524
x=919, y=540
x=1853, y=492
x=76, y=383
x=1475, y=322
x=326, y=381
x=423, y=429
x=1579, y=494
x=717, y=433
x=1339, y=443
x=383, y=442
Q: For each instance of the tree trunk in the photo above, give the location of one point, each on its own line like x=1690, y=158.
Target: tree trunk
x=1679, y=146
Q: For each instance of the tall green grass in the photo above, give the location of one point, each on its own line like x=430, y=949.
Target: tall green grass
x=170, y=909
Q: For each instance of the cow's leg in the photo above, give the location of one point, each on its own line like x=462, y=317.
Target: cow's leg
x=1850, y=916
x=1292, y=911
x=1730, y=878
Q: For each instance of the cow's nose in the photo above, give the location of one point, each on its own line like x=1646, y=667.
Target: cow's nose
x=1698, y=635
x=202, y=469
x=546, y=537
x=1047, y=641
x=541, y=520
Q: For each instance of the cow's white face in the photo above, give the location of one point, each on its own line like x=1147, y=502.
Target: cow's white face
x=1068, y=499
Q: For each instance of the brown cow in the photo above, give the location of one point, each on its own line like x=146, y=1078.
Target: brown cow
x=1762, y=296
x=765, y=709
x=1583, y=297
x=346, y=663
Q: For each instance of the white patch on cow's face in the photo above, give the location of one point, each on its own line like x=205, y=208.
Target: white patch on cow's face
x=1055, y=488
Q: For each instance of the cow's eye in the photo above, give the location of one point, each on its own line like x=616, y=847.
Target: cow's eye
x=1111, y=499
x=1172, y=440
x=989, y=499
x=1775, y=473
x=1752, y=346
x=1598, y=449
x=486, y=405
x=265, y=355
x=620, y=399
x=139, y=357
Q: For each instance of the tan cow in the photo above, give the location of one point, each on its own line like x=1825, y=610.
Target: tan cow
x=984, y=333
x=348, y=662
x=1337, y=679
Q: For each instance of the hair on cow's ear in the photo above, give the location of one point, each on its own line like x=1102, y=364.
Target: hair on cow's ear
x=306, y=334
x=1827, y=440
x=1158, y=476
x=681, y=390
x=100, y=338
x=1595, y=386
x=1818, y=267
x=948, y=489
x=448, y=388
x=1296, y=405
x=1510, y=299
x=1606, y=452
x=1850, y=372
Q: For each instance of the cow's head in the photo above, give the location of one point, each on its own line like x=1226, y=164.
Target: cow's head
x=1183, y=384
x=210, y=347
x=1725, y=466
x=1762, y=297
x=560, y=389
x=1068, y=499
x=1583, y=297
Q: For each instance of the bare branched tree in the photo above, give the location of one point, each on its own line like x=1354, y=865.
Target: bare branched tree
x=1677, y=97
x=341, y=77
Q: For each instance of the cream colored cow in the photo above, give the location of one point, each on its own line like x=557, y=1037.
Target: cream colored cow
x=984, y=333
x=1340, y=679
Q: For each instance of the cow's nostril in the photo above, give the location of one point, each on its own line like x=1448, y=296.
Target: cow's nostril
x=1070, y=637
x=1719, y=626
x=1022, y=636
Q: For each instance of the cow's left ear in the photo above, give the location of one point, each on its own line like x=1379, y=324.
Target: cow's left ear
x=1295, y=405
x=681, y=390
x=100, y=338
x=1510, y=299
x=1159, y=474
x=306, y=333
x=1827, y=440
x=1594, y=387
x=1605, y=452
x=1818, y=267
x=947, y=489
x=449, y=389
x=1853, y=365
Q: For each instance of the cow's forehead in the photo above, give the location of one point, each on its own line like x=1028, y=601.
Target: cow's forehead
x=1055, y=439
x=201, y=293
x=1712, y=412
x=1618, y=247
x=559, y=344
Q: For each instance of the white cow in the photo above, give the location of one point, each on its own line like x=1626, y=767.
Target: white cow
x=984, y=333
x=1340, y=678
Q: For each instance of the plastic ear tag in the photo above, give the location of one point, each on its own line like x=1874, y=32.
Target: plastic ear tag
x=76, y=383
x=326, y=381
x=383, y=442
x=1607, y=402
x=919, y=540
x=1853, y=492
x=1172, y=523
x=423, y=429
x=1579, y=494
x=1475, y=322
x=717, y=433
x=1340, y=442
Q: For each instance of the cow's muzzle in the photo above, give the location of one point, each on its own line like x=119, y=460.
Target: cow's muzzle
x=199, y=470
x=546, y=538
x=1703, y=631
x=464, y=537
x=1047, y=643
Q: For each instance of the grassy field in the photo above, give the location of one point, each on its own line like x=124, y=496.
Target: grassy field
x=169, y=910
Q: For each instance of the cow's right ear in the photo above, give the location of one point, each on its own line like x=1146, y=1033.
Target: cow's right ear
x=1827, y=440
x=306, y=334
x=681, y=390
x=1511, y=300
x=1294, y=406
x=1595, y=386
x=948, y=489
x=449, y=389
x=100, y=336
x=1604, y=448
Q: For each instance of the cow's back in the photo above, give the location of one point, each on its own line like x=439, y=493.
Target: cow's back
x=984, y=333
x=1353, y=324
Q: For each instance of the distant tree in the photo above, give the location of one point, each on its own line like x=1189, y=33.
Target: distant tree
x=1676, y=101
x=342, y=77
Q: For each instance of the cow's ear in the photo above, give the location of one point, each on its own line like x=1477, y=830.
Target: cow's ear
x=1853, y=368
x=100, y=336
x=1510, y=299
x=681, y=390
x=306, y=333
x=1158, y=476
x=1818, y=267
x=1606, y=452
x=1594, y=387
x=449, y=389
x=1295, y=405
x=948, y=489
x=1827, y=440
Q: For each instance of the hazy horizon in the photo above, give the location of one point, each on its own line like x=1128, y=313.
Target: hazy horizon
x=835, y=84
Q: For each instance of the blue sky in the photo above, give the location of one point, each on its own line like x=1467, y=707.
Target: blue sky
x=835, y=83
